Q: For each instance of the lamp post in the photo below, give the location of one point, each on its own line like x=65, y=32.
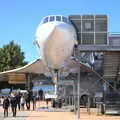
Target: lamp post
x=76, y=55
x=78, y=92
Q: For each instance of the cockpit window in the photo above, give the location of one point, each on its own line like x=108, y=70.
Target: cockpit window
x=45, y=20
x=64, y=19
x=55, y=18
x=52, y=18
x=58, y=18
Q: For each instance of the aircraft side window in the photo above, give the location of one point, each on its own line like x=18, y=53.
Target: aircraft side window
x=65, y=19
x=58, y=18
x=52, y=18
x=45, y=20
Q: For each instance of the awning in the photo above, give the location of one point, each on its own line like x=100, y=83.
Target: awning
x=37, y=67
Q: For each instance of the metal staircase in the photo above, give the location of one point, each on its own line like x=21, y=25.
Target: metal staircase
x=118, y=75
x=110, y=64
x=111, y=70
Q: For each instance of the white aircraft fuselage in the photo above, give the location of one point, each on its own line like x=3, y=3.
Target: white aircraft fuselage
x=55, y=39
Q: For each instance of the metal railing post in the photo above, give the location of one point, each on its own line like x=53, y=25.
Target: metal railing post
x=78, y=88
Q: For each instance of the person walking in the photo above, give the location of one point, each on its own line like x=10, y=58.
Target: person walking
x=14, y=105
x=40, y=94
x=6, y=104
x=34, y=102
x=47, y=98
x=22, y=102
x=28, y=99
x=18, y=97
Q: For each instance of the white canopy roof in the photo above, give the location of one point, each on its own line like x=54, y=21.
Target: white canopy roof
x=33, y=67
x=38, y=67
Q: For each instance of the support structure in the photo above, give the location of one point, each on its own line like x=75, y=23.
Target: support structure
x=56, y=80
x=28, y=81
x=74, y=97
x=78, y=93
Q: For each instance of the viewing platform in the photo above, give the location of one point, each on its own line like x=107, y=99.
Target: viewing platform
x=98, y=48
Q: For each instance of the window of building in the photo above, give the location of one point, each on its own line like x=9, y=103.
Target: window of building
x=88, y=25
x=100, y=38
x=101, y=25
x=87, y=38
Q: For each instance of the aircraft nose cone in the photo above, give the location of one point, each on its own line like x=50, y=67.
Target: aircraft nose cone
x=58, y=26
x=56, y=40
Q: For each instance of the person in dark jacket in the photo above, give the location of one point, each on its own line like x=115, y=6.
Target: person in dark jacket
x=34, y=102
x=41, y=94
x=18, y=97
x=28, y=99
x=6, y=104
x=14, y=105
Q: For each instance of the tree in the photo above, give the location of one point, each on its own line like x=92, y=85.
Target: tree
x=11, y=57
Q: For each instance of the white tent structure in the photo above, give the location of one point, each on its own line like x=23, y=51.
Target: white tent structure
x=20, y=75
x=34, y=67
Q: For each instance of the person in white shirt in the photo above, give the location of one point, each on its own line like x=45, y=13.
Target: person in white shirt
x=47, y=98
x=22, y=102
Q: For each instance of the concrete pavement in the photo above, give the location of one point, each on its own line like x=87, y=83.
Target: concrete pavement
x=44, y=115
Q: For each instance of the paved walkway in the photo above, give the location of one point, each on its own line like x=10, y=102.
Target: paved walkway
x=39, y=115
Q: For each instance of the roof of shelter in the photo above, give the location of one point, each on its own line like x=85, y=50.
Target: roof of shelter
x=38, y=67
x=33, y=67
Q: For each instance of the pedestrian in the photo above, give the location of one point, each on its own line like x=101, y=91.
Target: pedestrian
x=6, y=104
x=18, y=97
x=22, y=102
x=13, y=105
x=34, y=102
x=28, y=100
x=47, y=98
x=2, y=99
x=40, y=92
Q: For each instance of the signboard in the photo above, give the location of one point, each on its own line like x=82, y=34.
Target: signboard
x=14, y=78
x=50, y=96
x=65, y=82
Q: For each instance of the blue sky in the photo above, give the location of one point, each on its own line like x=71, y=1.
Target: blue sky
x=19, y=18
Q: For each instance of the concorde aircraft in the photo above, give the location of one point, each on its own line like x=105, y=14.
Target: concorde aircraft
x=55, y=37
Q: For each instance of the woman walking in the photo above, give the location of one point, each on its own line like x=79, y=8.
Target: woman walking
x=6, y=104
x=22, y=102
